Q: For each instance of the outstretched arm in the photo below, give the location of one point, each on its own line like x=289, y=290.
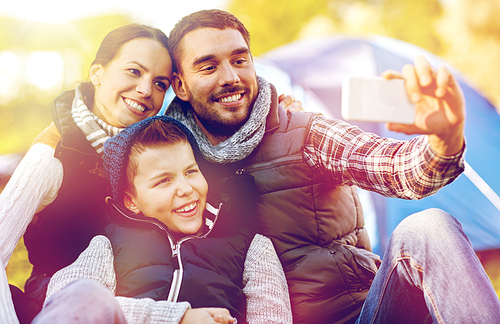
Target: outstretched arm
x=268, y=300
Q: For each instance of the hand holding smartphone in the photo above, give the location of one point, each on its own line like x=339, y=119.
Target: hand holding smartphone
x=375, y=99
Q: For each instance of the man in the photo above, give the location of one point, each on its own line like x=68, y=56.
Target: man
x=304, y=168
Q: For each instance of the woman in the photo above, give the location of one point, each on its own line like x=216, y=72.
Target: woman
x=60, y=178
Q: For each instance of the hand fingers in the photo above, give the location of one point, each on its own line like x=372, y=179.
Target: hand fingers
x=408, y=129
x=391, y=74
x=295, y=106
x=223, y=318
x=221, y=315
x=411, y=83
x=286, y=100
x=424, y=70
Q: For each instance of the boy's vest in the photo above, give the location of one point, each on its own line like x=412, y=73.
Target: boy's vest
x=212, y=267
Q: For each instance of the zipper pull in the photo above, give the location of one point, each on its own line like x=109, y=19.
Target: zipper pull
x=175, y=252
x=240, y=171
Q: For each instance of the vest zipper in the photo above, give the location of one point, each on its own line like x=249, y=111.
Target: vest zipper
x=175, y=287
x=264, y=165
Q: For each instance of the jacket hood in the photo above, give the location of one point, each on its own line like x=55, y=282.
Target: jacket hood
x=120, y=215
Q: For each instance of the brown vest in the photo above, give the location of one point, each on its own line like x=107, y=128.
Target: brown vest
x=315, y=224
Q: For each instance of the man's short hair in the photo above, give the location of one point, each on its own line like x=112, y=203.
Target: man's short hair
x=213, y=18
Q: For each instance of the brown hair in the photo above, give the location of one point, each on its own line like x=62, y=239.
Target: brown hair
x=115, y=39
x=202, y=19
x=156, y=134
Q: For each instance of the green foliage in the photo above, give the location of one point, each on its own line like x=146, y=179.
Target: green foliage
x=279, y=22
x=19, y=268
x=21, y=122
x=22, y=119
x=275, y=23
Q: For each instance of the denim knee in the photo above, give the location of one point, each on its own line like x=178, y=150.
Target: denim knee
x=428, y=227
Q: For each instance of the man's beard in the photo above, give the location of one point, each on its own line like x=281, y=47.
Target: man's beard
x=214, y=123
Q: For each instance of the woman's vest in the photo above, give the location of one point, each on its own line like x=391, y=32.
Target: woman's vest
x=64, y=228
x=211, y=266
x=315, y=224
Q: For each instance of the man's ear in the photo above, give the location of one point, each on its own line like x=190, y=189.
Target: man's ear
x=129, y=202
x=179, y=86
x=95, y=74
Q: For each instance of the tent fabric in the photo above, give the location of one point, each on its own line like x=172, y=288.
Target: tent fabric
x=317, y=67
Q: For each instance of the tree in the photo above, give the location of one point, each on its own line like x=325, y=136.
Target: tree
x=274, y=23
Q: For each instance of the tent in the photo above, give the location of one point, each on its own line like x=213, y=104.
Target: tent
x=314, y=70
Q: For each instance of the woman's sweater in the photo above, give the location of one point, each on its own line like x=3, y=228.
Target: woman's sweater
x=19, y=202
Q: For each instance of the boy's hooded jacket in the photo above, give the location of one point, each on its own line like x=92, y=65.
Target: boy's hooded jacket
x=204, y=269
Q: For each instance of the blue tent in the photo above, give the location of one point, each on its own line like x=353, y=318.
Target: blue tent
x=314, y=70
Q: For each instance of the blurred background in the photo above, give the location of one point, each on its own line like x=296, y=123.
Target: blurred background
x=47, y=47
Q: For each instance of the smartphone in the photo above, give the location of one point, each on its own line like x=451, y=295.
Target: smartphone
x=375, y=99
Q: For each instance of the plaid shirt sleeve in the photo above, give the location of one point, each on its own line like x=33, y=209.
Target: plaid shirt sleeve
x=393, y=168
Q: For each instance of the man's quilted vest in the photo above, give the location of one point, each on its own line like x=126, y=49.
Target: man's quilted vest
x=315, y=224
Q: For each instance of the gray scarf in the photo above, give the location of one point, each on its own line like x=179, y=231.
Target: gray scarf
x=95, y=130
x=241, y=143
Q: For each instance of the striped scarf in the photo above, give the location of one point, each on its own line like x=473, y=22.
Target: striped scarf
x=95, y=130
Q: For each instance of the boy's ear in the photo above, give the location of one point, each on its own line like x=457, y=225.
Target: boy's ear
x=179, y=86
x=129, y=202
x=95, y=74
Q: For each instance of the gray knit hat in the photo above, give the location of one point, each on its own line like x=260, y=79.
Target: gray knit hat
x=117, y=149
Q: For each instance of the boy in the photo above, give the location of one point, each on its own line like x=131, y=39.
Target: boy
x=170, y=245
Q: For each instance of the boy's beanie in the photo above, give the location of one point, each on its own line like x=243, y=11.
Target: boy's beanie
x=117, y=149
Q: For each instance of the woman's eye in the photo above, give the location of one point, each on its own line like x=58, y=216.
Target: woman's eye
x=161, y=85
x=135, y=72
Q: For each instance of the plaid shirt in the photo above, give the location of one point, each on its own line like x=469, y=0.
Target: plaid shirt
x=405, y=169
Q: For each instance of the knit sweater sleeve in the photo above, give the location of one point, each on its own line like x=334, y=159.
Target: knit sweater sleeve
x=33, y=185
x=96, y=263
x=266, y=288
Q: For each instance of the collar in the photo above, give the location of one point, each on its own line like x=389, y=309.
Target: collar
x=273, y=120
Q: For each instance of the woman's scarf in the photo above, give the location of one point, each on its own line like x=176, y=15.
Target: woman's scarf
x=95, y=130
x=241, y=143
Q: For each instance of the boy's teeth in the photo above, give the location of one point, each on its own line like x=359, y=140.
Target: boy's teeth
x=186, y=208
x=232, y=98
x=135, y=105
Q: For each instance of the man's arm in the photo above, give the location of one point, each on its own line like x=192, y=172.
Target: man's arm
x=403, y=169
x=411, y=169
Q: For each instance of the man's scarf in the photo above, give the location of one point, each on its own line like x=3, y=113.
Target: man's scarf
x=241, y=143
x=95, y=130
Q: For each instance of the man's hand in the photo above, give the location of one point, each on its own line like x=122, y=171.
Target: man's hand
x=439, y=103
x=289, y=103
x=207, y=315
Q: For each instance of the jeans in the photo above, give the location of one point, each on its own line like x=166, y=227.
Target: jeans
x=430, y=273
x=83, y=301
